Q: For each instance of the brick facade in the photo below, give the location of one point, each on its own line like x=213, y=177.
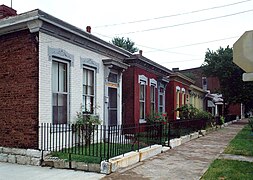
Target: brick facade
x=19, y=90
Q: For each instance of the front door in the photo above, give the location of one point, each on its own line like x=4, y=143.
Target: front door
x=112, y=106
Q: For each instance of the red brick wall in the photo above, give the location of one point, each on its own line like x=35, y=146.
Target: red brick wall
x=171, y=98
x=131, y=112
x=19, y=90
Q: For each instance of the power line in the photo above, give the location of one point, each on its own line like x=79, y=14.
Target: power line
x=191, y=22
x=167, y=62
x=194, y=44
x=173, y=15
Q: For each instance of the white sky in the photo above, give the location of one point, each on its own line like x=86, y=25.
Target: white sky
x=162, y=45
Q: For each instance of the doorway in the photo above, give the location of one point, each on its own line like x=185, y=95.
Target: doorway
x=112, y=107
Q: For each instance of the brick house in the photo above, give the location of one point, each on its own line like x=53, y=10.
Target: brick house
x=144, y=89
x=212, y=84
x=151, y=88
x=50, y=69
x=181, y=91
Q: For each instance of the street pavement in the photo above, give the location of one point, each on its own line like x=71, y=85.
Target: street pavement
x=188, y=161
x=10, y=171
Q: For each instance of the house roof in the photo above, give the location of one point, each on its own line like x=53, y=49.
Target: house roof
x=37, y=20
x=147, y=63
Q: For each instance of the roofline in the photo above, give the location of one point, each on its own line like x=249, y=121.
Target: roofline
x=41, y=15
x=149, y=61
x=175, y=74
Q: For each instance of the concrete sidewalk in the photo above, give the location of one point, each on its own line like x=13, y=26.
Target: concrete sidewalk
x=10, y=171
x=187, y=161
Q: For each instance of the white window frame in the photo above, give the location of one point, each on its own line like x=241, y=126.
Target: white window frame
x=142, y=80
x=93, y=108
x=163, y=99
x=57, y=60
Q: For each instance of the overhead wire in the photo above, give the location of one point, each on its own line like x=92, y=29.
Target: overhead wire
x=173, y=15
x=186, y=23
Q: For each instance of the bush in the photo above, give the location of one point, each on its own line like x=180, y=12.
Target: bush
x=187, y=111
x=251, y=123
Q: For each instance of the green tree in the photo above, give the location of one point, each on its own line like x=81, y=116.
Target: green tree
x=126, y=44
x=220, y=64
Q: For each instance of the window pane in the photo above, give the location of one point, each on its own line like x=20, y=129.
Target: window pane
x=142, y=92
x=88, y=90
x=113, y=78
x=160, y=100
x=59, y=108
x=142, y=110
x=55, y=77
x=62, y=77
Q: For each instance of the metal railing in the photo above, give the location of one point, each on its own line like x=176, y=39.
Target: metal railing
x=105, y=142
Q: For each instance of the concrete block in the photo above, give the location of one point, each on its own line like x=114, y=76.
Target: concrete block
x=185, y=138
x=23, y=160
x=33, y=153
x=12, y=158
x=105, y=167
x=1, y=150
x=225, y=124
x=194, y=135
x=203, y=132
x=230, y=122
x=165, y=148
x=59, y=164
x=7, y=150
x=94, y=167
x=128, y=159
x=148, y=152
x=175, y=142
x=3, y=157
x=18, y=151
x=35, y=161
x=82, y=166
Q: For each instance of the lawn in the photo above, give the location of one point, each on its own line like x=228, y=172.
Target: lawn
x=242, y=144
x=229, y=169
x=94, y=153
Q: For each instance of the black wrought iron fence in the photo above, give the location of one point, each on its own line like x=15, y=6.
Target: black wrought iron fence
x=105, y=142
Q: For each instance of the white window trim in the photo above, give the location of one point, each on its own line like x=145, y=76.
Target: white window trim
x=95, y=90
x=153, y=82
x=142, y=78
x=55, y=59
x=178, y=88
x=143, y=81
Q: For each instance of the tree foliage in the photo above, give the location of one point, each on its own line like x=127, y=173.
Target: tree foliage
x=126, y=44
x=220, y=64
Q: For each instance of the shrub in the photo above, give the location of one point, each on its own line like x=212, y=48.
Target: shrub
x=156, y=117
x=187, y=111
x=251, y=123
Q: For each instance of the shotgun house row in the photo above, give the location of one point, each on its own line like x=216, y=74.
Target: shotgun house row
x=49, y=70
x=181, y=91
x=144, y=89
x=214, y=101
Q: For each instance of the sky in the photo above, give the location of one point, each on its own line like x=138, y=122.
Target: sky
x=175, y=34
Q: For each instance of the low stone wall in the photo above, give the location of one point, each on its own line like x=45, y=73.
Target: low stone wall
x=21, y=156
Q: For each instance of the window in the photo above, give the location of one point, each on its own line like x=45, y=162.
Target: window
x=183, y=96
x=142, y=99
x=60, y=92
x=152, y=98
x=113, y=78
x=88, y=90
x=178, y=96
x=161, y=106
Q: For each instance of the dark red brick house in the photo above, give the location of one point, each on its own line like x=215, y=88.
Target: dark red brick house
x=144, y=89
